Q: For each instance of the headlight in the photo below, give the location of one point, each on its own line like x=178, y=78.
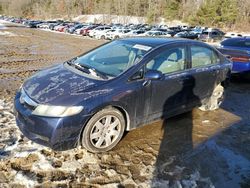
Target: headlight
x=56, y=111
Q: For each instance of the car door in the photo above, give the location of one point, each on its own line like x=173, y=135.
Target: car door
x=204, y=67
x=169, y=94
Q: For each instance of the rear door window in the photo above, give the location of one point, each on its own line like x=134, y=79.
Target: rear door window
x=202, y=56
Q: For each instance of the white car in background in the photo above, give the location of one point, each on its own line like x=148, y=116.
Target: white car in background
x=133, y=33
x=155, y=33
x=93, y=32
x=118, y=33
x=103, y=33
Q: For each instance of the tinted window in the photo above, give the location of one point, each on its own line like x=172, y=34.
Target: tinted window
x=202, y=56
x=171, y=60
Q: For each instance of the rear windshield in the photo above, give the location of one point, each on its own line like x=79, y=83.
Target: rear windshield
x=205, y=33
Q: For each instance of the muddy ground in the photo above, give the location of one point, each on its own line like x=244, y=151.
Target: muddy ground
x=196, y=149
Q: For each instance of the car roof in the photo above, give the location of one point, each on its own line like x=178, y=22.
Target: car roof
x=154, y=41
x=238, y=39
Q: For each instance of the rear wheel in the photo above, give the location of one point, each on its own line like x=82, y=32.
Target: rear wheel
x=104, y=130
x=213, y=102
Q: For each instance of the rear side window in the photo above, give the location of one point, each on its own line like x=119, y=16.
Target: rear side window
x=202, y=56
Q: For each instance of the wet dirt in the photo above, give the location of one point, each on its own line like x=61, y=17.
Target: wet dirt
x=195, y=149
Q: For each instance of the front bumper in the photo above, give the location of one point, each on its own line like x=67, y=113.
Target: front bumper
x=57, y=133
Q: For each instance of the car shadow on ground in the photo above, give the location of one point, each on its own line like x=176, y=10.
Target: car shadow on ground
x=177, y=137
x=213, y=146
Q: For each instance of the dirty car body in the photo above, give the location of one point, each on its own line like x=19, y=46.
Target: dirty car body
x=54, y=106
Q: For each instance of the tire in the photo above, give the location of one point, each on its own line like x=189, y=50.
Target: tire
x=103, y=131
x=102, y=37
x=213, y=102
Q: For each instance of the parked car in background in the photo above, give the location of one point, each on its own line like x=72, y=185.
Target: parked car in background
x=73, y=28
x=238, y=50
x=118, y=33
x=198, y=30
x=98, y=29
x=102, y=34
x=85, y=31
x=132, y=33
x=53, y=25
x=153, y=33
x=92, y=99
x=60, y=27
x=45, y=25
x=32, y=24
x=187, y=34
x=211, y=35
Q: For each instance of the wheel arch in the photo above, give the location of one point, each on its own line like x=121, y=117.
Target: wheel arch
x=118, y=107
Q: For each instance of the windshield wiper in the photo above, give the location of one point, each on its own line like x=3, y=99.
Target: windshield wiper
x=87, y=69
x=95, y=72
x=71, y=61
x=77, y=66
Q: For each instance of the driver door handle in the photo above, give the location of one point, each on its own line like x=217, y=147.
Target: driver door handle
x=146, y=83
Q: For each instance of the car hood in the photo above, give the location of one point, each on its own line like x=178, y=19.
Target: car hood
x=59, y=86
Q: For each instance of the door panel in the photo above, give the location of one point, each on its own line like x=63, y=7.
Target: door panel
x=205, y=64
x=169, y=93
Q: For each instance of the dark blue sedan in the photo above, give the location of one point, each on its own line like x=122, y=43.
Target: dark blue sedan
x=238, y=49
x=92, y=99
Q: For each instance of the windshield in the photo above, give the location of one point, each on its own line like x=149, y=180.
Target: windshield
x=113, y=58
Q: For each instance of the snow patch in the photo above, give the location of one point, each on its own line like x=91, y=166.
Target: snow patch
x=2, y=26
x=42, y=163
x=20, y=178
x=106, y=18
x=7, y=33
x=11, y=147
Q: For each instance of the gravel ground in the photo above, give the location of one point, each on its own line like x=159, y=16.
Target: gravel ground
x=196, y=149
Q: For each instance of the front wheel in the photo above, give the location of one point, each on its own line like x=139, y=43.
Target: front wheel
x=213, y=102
x=103, y=131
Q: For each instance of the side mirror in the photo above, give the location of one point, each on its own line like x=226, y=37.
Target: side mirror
x=153, y=75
